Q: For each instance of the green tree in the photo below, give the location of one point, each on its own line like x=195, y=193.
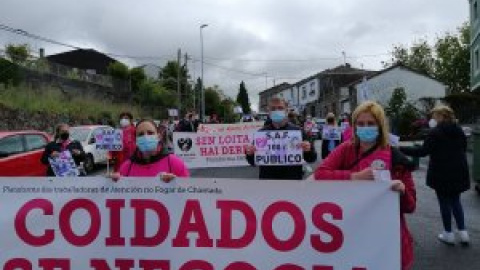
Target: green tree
x=226, y=110
x=137, y=78
x=169, y=78
x=118, y=70
x=452, y=64
x=420, y=56
x=18, y=54
x=243, y=100
x=447, y=60
x=9, y=73
x=212, y=100
x=401, y=113
x=153, y=97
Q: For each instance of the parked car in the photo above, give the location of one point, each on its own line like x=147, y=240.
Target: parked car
x=86, y=136
x=20, y=153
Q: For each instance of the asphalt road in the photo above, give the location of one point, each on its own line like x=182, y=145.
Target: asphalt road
x=424, y=224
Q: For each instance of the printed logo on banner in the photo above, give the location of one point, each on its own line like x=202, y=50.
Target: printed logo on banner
x=277, y=148
x=185, y=144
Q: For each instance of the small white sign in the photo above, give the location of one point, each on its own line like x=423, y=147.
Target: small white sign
x=278, y=148
x=331, y=133
x=109, y=139
x=173, y=112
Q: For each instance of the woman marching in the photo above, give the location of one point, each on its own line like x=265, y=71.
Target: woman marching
x=448, y=172
x=151, y=157
x=357, y=160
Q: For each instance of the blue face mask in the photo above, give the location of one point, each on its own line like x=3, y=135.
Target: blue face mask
x=278, y=116
x=367, y=134
x=147, y=143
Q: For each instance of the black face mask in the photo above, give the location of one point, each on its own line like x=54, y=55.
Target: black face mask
x=64, y=136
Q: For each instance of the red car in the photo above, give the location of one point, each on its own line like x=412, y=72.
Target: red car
x=20, y=153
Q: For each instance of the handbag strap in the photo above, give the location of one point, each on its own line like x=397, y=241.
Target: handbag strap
x=362, y=156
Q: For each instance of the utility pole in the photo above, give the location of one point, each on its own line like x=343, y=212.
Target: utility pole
x=179, y=56
x=186, y=58
x=203, y=85
x=344, y=58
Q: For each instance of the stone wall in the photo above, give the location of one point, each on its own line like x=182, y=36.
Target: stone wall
x=13, y=119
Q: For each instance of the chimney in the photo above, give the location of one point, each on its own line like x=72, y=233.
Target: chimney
x=347, y=65
x=42, y=52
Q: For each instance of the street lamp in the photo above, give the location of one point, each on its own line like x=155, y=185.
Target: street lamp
x=202, y=88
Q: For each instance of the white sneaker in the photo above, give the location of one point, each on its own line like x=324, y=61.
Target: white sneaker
x=447, y=238
x=464, y=238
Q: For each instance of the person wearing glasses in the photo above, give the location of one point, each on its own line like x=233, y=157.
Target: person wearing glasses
x=369, y=151
x=279, y=121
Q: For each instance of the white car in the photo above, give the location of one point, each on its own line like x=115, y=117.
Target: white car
x=86, y=136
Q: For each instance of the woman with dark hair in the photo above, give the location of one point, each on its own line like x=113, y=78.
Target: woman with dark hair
x=128, y=131
x=62, y=143
x=151, y=156
x=448, y=172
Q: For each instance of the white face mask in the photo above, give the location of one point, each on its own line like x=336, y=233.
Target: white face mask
x=432, y=123
x=124, y=122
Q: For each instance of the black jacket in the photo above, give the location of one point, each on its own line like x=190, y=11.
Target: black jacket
x=186, y=126
x=54, y=146
x=448, y=171
x=294, y=172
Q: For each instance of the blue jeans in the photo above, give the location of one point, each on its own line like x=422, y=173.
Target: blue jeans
x=450, y=204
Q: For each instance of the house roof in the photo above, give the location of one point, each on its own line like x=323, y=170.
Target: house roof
x=345, y=71
x=397, y=65
x=83, y=59
x=277, y=88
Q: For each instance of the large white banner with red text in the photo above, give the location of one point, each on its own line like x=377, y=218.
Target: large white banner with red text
x=197, y=224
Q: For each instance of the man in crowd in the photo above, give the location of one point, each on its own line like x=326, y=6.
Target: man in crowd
x=279, y=122
x=187, y=124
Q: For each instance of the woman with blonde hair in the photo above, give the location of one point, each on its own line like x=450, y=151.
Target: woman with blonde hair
x=448, y=172
x=369, y=150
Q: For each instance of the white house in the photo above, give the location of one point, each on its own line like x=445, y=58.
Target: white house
x=380, y=86
x=300, y=94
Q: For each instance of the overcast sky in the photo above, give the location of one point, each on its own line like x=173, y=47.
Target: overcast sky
x=249, y=36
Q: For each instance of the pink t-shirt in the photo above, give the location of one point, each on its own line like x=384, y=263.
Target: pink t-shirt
x=176, y=167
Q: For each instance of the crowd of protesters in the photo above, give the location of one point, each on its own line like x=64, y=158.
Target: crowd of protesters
x=353, y=154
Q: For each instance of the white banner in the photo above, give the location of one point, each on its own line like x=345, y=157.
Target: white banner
x=197, y=224
x=278, y=148
x=232, y=128
x=109, y=139
x=218, y=149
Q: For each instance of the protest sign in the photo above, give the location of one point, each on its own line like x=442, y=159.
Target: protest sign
x=232, y=128
x=109, y=139
x=331, y=133
x=277, y=148
x=64, y=165
x=173, y=112
x=216, y=149
x=143, y=223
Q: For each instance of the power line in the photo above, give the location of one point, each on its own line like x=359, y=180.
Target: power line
x=52, y=41
x=298, y=60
